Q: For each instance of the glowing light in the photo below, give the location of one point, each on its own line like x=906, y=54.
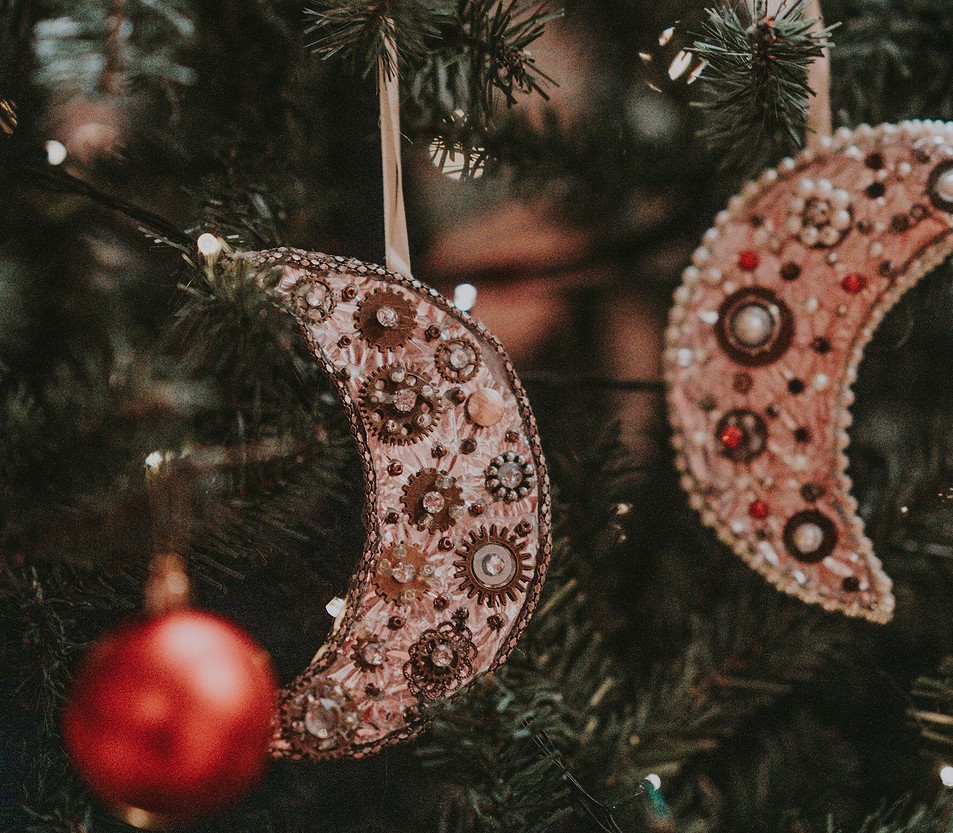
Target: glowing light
x=55, y=152
x=464, y=297
x=946, y=776
x=681, y=62
x=154, y=460
x=453, y=162
x=654, y=780
x=209, y=245
x=335, y=606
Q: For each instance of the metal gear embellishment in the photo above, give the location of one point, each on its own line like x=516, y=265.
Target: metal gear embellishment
x=433, y=500
x=510, y=477
x=401, y=573
x=314, y=299
x=386, y=319
x=458, y=359
x=493, y=566
x=400, y=404
x=440, y=660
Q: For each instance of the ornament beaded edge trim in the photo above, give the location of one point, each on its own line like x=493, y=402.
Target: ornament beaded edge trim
x=360, y=581
x=922, y=263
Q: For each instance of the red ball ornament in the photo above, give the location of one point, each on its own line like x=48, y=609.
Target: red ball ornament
x=169, y=718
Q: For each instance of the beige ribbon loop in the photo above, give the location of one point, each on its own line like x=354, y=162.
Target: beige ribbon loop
x=819, y=119
x=396, y=243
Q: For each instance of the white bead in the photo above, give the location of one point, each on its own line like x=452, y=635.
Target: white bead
x=829, y=236
x=752, y=325
x=807, y=538
x=824, y=189
x=840, y=198
x=809, y=236
x=806, y=187
x=821, y=381
x=841, y=220
x=701, y=256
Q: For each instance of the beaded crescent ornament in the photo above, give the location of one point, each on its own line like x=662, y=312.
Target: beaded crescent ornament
x=764, y=341
x=457, y=512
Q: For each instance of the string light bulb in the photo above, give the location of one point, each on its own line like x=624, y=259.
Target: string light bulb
x=209, y=245
x=654, y=780
x=464, y=297
x=55, y=152
x=946, y=776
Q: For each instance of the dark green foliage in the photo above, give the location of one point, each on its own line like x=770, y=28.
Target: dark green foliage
x=755, y=85
x=653, y=650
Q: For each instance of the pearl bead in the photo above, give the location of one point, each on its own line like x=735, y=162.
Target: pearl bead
x=752, y=325
x=808, y=538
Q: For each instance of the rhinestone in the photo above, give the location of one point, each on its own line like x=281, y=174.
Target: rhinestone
x=387, y=317
x=404, y=400
x=808, y=538
x=404, y=572
x=423, y=420
x=511, y=476
x=752, y=325
x=317, y=295
x=322, y=718
x=442, y=656
x=494, y=564
x=374, y=653
x=444, y=482
x=460, y=358
x=433, y=503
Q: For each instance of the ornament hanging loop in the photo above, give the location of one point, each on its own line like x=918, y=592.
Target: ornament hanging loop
x=396, y=243
x=819, y=118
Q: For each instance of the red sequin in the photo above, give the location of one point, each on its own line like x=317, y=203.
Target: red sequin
x=853, y=283
x=732, y=436
x=758, y=510
x=748, y=260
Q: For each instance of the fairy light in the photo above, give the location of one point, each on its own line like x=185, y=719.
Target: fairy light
x=55, y=152
x=464, y=297
x=946, y=776
x=208, y=244
x=654, y=780
x=453, y=161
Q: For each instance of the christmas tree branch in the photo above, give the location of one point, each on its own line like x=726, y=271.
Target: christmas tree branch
x=755, y=85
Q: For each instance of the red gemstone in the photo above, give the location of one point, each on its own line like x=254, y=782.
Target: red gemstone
x=853, y=283
x=748, y=260
x=732, y=436
x=758, y=510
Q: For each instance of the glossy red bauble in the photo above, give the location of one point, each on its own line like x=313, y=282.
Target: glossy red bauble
x=169, y=718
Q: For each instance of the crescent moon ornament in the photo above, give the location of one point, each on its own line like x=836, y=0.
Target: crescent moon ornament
x=764, y=341
x=457, y=504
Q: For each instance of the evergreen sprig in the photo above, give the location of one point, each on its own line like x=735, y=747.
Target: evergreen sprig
x=755, y=85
